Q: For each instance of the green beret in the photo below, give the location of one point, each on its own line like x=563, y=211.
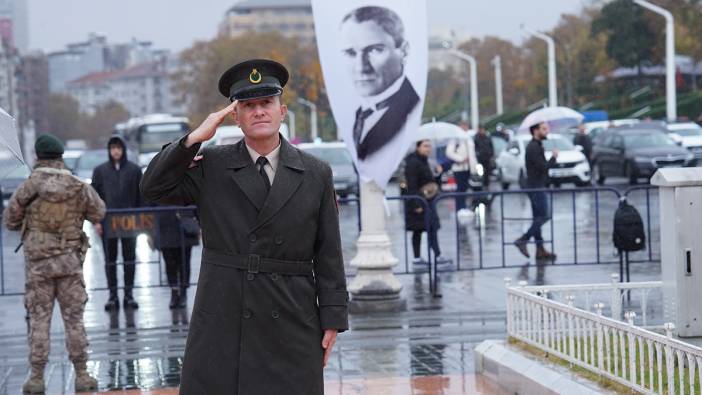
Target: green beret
x=48, y=144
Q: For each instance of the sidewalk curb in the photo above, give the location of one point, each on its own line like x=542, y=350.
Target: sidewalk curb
x=518, y=374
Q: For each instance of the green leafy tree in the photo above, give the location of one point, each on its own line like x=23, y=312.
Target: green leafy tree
x=63, y=116
x=66, y=121
x=630, y=38
x=100, y=125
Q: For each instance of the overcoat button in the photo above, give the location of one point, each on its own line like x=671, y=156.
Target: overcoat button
x=278, y=240
x=275, y=314
x=274, y=276
x=250, y=276
x=247, y=314
x=252, y=238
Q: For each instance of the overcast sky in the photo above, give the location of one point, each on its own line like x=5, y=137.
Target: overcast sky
x=175, y=24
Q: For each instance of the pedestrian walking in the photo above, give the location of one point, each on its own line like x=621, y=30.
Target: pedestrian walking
x=271, y=296
x=582, y=139
x=178, y=233
x=420, y=181
x=501, y=132
x=117, y=183
x=49, y=208
x=484, y=153
x=537, y=178
x=462, y=153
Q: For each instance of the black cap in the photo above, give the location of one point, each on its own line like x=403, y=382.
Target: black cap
x=253, y=79
x=48, y=144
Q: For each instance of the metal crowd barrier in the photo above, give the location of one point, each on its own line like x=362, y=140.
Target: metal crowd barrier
x=135, y=227
x=481, y=263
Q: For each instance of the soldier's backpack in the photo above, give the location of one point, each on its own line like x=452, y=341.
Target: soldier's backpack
x=629, y=233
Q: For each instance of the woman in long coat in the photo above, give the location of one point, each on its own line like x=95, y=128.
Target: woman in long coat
x=418, y=174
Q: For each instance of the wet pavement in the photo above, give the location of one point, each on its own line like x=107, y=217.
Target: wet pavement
x=427, y=349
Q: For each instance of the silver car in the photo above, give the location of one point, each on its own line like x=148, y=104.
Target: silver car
x=338, y=157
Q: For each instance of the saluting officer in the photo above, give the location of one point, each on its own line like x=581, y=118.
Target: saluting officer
x=271, y=295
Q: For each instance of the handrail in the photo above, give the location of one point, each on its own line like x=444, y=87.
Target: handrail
x=620, y=351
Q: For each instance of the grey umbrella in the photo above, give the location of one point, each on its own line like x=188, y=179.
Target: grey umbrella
x=10, y=152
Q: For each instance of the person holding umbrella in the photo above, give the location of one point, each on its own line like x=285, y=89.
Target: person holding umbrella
x=421, y=182
x=537, y=177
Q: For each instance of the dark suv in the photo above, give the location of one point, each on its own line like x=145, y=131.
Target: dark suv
x=635, y=152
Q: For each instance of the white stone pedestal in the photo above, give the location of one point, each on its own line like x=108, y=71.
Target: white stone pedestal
x=375, y=287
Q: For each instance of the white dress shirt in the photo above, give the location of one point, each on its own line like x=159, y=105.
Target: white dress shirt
x=272, y=164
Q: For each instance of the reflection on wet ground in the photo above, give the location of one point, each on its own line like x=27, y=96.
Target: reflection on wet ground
x=425, y=385
x=425, y=350
x=435, y=338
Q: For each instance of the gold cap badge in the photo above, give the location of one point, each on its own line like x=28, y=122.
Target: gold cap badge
x=255, y=77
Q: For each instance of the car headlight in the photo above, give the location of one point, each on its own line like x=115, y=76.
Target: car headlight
x=642, y=159
x=479, y=170
x=689, y=157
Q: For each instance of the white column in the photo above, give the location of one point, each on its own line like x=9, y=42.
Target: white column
x=291, y=124
x=313, y=116
x=552, y=82
x=497, y=62
x=375, y=287
x=474, y=117
x=670, y=93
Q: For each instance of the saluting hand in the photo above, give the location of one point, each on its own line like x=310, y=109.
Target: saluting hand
x=328, y=343
x=207, y=129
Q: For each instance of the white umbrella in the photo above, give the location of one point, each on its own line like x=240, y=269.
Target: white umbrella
x=10, y=152
x=437, y=131
x=555, y=117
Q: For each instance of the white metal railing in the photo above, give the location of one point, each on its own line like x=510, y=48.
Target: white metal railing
x=632, y=356
x=618, y=294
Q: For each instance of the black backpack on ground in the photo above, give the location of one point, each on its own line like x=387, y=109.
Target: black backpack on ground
x=629, y=233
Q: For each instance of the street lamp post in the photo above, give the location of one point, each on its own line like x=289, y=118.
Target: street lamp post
x=475, y=122
x=552, y=92
x=291, y=124
x=313, y=116
x=670, y=94
x=497, y=62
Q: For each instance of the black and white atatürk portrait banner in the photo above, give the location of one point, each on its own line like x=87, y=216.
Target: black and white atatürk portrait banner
x=374, y=60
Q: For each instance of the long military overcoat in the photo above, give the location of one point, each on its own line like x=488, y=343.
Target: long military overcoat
x=255, y=331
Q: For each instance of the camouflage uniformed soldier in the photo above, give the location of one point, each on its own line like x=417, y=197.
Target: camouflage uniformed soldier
x=49, y=208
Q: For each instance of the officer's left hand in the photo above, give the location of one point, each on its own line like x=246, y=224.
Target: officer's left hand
x=328, y=343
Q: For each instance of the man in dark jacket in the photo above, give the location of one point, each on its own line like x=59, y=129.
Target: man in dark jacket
x=537, y=177
x=583, y=140
x=117, y=183
x=271, y=294
x=484, y=153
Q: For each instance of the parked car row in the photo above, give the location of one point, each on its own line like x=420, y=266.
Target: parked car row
x=637, y=152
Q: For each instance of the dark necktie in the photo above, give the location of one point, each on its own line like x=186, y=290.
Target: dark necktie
x=261, y=163
x=361, y=117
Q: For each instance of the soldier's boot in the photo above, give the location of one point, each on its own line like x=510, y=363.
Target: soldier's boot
x=183, y=299
x=542, y=253
x=113, y=302
x=175, y=298
x=129, y=302
x=35, y=382
x=84, y=382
